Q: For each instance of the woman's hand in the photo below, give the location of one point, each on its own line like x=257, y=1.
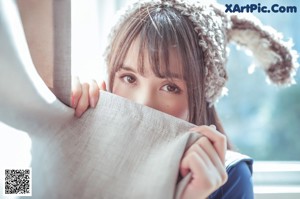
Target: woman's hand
x=205, y=159
x=85, y=95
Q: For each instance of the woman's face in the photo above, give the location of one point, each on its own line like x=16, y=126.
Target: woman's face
x=168, y=95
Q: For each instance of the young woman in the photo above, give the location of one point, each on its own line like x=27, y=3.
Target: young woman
x=170, y=55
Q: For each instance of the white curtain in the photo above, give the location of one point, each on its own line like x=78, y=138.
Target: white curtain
x=90, y=25
x=91, y=21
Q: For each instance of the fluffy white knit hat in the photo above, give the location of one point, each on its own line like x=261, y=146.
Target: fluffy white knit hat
x=215, y=30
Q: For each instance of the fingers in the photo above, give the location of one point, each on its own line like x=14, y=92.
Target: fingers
x=103, y=86
x=205, y=151
x=84, y=95
x=83, y=102
x=208, y=172
x=205, y=179
x=213, y=126
x=76, y=92
x=93, y=93
x=216, y=138
x=193, y=155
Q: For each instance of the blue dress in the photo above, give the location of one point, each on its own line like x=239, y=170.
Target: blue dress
x=239, y=184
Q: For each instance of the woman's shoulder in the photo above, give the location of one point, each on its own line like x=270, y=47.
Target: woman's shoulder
x=239, y=184
x=233, y=159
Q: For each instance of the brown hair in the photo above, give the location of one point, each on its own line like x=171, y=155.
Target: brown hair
x=159, y=29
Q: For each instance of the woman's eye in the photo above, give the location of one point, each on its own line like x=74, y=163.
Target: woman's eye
x=129, y=79
x=171, y=88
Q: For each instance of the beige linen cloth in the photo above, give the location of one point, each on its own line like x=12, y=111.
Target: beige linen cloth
x=117, y=150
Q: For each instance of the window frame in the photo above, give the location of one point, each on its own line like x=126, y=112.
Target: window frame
x=276, y=179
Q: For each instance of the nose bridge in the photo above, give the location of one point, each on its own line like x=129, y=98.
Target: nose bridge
x=146, y=97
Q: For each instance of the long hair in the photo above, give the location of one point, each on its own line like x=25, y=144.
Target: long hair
x=161, y=30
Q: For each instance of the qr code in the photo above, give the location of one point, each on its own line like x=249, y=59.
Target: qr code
x=18, y=182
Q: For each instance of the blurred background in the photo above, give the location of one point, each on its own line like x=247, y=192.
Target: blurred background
x=263, y=120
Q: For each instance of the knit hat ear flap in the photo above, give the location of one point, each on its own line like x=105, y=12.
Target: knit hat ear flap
x=273, y=54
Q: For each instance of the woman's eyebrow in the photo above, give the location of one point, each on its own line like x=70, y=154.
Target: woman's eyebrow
x=128, y=68
x=163, y=76
x=172, y=76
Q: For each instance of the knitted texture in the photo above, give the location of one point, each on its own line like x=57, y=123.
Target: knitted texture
x=215, y=30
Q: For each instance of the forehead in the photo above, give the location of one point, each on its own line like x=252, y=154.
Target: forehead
x=163, y=61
